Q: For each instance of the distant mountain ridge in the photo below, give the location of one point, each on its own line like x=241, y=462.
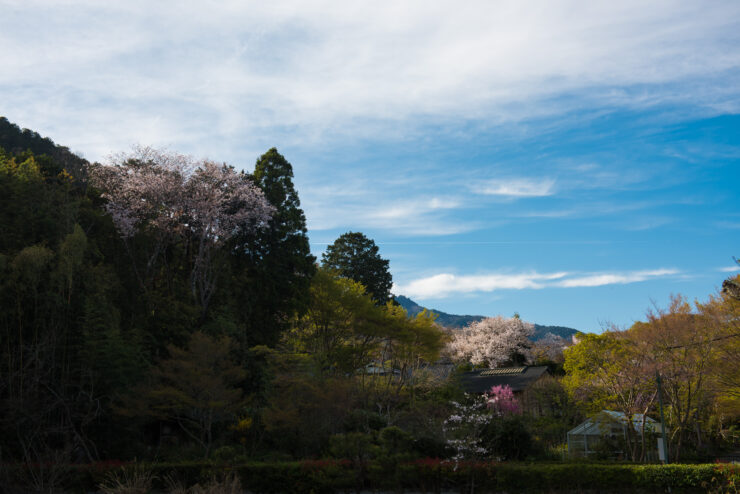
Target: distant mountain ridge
x=455, y=321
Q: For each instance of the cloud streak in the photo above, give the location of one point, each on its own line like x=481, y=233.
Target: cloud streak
x=425, y=216
x=615, y=278
x=515, y=188
x=729, y=269
x=445, y=284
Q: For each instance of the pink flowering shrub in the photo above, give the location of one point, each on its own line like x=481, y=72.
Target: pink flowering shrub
x=501, y=401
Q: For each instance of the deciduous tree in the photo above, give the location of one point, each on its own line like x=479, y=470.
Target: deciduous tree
x=611, y=371
x=342, y=327
x=721, y=314
x=683, y=346
x=548, y=349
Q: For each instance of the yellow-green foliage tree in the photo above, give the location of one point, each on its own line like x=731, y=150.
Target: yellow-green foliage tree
x=695, y=350
x=722, y=314
x=683, y=349
x=611, y=371
x=344, y=350
x=342, y=327
x=344, y=330
x=408, y=345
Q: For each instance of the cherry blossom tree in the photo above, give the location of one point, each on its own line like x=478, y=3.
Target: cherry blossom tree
x=493, y=341
x=144, y=190
x=174, y=198
x=548, y=348
x=219, y=203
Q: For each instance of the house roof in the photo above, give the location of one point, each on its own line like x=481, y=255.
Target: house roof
x=517, y=378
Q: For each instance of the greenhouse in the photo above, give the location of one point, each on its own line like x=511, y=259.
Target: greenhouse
x=607, y=428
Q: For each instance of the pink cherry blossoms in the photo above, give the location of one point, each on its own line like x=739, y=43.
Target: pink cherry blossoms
x=491, y=341
x=173, y=193
x=173, y=197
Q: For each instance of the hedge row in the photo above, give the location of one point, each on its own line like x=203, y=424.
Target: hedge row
x=328, y=476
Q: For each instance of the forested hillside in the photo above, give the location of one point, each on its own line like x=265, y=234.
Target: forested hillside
x=162, y=305
x=94, y=294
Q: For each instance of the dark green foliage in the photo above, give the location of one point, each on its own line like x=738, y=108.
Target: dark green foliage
x=34, y=207
x=356, y=257
x=276, y=269
x=358, y=447
x=80, y=326
x=52, y=396
x=360, y=420
x=507, y=438
x=196, y=388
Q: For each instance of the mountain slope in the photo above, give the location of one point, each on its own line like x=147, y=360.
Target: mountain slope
x=15, y=140
x=443, y=318
x=455, y=321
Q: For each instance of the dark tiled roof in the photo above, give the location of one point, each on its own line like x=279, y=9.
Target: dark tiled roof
x=517, y=378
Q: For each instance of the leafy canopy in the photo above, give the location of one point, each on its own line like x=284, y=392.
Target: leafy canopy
x=356, y=257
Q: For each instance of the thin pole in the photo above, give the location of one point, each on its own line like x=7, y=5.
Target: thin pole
x=662, y=418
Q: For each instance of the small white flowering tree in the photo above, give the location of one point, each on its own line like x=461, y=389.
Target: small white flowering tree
x=492, y=341
x=464, y=428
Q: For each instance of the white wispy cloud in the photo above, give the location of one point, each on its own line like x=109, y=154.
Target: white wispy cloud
x=413, y=209
x=615, y=278
x=358, y=208
x=446, y=284
x=312, y=71
x=729, y=269
x=520, y=187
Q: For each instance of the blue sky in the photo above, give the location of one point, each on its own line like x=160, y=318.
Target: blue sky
x=571, y=161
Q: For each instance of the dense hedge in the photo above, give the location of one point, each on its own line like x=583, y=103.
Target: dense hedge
x=431, y=475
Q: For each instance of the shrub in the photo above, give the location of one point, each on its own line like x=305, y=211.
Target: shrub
x=428, y=474
x=507, y=438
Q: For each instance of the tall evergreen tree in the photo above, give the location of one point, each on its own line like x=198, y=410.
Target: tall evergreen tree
x=280, y=264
